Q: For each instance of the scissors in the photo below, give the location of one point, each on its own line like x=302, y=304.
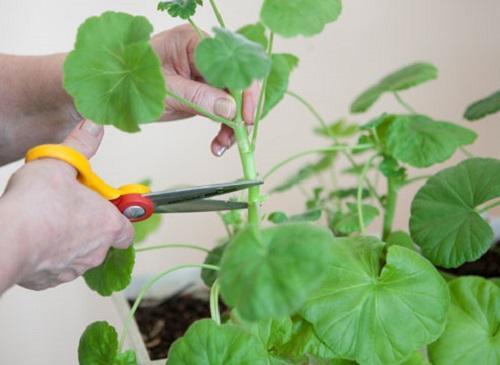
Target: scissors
x=136, y=201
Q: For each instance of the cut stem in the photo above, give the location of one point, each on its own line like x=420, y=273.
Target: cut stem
x=214, y=302
x=173, y=245
x=146, y=288
x=200, y=110
x=217, y=13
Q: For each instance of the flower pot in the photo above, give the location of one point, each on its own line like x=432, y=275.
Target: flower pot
x=181, y=283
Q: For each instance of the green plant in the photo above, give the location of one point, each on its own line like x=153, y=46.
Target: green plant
x=299, y=292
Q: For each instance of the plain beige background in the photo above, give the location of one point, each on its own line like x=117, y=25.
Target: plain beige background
x=372, y=38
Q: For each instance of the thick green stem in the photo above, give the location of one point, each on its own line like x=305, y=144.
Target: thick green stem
x=147, y=287
x=390, y=207
x=159, y=247
x=217, y=13
x=247, y=160
x=214, y=302
x=262, y=97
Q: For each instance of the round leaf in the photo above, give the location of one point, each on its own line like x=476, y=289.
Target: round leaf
x=377, y=314
x=206, y=343
x=472, y=334
x=270, y=273
x=444, y=222
x=290, y=18
x=230, y=61
x=114, y=274
x=113, y=73
x=421, y=142
x=483, y=107
x=405, y=78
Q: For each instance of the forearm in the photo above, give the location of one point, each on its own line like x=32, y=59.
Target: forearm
x=34, y=108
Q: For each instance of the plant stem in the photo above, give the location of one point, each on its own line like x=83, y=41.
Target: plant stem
x=146, y=288
x=214, y=302
x=226, y=226
x=346, y=153
x=488, y=207
x=359, y=196
x=403, y=103
x=195, y=27
x=466, y=152
x=416, y=179
x=311, y=152
x=262, y=97
x=247, y=160
x=200, y=110
x=159, y=247
x=390, y=207
x=218, y=14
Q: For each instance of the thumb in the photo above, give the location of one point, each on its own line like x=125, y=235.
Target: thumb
x=213, y=100
x=85, y=138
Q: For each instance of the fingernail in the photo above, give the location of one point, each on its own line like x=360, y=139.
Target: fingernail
x=219, y=151
x=225, y=107
x=91, y=128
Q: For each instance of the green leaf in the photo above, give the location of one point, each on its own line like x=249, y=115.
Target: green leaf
x=405, y=78
x=347, y=223
x=382, y=313
x=417, y=358
x=213, y=258
x=338, y=129
x=420, y=141
x=99, y=346
x=306, y=172
x=255, y=33
x=230, y=61
x=114, y=274
x=304, y=341
x=206, y=343
x=278, y=217
x=113, y=74
x=277, y=83
x=290, y=18
x=270, y=273
x=311, y=215
x=472, y=334
x=145, y=228
x=483, y=107
x=348, y=193
x=400, y=238
x=444, y=221
x=183, y=9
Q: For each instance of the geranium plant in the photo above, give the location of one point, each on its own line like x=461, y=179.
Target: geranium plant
x=301, y=292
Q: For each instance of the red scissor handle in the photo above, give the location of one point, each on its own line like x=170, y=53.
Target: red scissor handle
x=135, y=207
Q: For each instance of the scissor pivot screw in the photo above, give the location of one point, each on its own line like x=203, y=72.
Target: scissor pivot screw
x=134, y=212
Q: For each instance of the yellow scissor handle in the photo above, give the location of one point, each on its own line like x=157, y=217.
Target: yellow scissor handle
x=85, y=173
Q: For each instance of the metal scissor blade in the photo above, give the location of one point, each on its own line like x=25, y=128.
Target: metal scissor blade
x=203, y=205
x=174, y=196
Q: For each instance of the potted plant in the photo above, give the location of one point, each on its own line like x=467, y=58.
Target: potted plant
x=298, y=291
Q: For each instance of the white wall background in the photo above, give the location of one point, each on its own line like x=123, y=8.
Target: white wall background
x=372, y=38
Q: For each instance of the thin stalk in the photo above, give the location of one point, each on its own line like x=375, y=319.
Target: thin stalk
x=488, y=207
x=196, y=28
x=146, y=288
x=359, y=196
x=159, y=247
x=466, y=152
x=226, y=227
x=323, y=124
x=403, y=103
x=262, y=97
x=218, y=14
x=311, y=152
x=416, y=179
x=247, y=160
x=390, y=207
x=200, y=110
x=214, y=302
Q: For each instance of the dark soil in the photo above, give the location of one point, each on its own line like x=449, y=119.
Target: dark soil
x=163, y=323
x=488, y=266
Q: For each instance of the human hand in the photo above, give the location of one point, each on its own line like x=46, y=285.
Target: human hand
x=176, y=48
x=65, y=228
